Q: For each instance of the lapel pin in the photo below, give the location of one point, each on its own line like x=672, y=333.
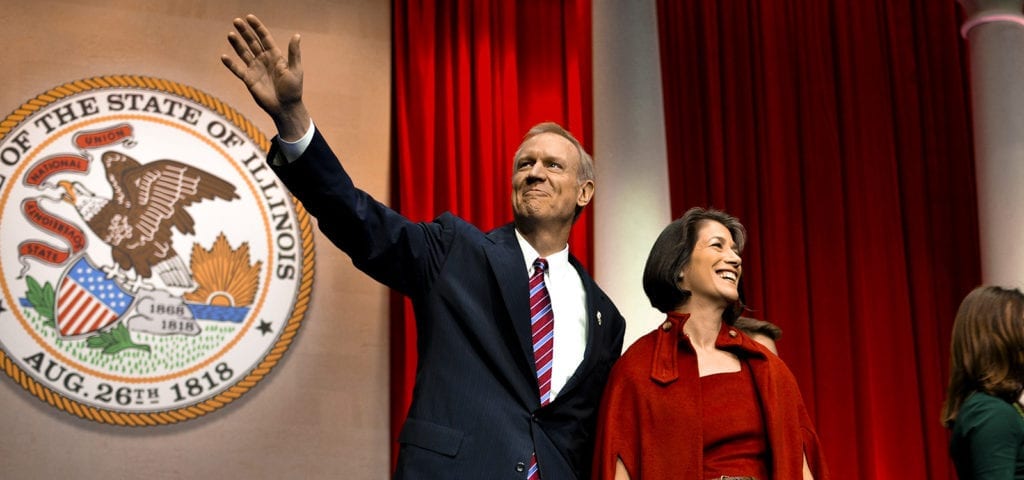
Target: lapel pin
x=599, y=317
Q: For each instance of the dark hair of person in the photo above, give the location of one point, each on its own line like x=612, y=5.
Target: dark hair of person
x=753, y=326
x=986, y=349
x=672, y=251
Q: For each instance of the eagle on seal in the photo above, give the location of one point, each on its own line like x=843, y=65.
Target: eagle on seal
x=148, y=200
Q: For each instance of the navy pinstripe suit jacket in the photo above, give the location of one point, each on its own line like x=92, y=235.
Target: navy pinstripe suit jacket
x=475, y=412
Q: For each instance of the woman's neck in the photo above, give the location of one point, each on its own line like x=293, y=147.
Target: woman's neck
x=704, y=323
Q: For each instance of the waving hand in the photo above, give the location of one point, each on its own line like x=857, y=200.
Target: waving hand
x=275, y=81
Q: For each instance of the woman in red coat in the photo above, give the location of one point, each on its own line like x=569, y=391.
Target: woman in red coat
x=696, y=398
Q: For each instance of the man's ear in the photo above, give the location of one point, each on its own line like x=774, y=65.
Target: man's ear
x=586, y=193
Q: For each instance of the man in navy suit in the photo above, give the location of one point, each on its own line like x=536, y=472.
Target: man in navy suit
x=477, y=411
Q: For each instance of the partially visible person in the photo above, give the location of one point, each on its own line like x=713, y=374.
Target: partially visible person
x=514, y=339
x=763, y=332
x=986, y=378
x=695, y=398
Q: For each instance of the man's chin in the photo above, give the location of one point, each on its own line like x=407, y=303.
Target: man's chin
x=528, y=209
x=538, y=212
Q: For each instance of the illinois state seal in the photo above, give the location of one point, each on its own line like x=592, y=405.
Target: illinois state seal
x=152, y=267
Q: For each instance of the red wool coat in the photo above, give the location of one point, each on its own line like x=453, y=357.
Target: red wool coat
x=650, y=410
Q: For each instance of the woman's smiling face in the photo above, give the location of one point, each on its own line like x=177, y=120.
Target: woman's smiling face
x=713, y=272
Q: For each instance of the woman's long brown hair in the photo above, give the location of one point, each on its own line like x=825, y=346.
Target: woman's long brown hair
x=987, y=348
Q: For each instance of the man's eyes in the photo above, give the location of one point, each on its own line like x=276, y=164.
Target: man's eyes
x=548, y=164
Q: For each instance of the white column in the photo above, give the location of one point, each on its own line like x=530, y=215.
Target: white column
x=994, y=30
x=631, y=203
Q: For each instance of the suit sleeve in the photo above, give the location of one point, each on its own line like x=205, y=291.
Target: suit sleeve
x=393, y=250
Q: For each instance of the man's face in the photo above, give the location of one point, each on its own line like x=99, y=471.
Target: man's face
x=545, y=184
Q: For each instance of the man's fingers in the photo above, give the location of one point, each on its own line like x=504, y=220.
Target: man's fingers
x=241, y=49
x=233, y=66
x=294, y=54
x=244, y=30
x=262, y=33
x=248, y=35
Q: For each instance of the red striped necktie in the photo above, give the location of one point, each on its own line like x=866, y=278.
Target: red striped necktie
x=542, y=322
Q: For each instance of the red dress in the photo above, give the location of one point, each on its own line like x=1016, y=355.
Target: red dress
x=735, y=440
x=651, y=415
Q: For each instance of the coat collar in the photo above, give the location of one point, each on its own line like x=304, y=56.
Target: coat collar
x=674, y=357
x=670, y=338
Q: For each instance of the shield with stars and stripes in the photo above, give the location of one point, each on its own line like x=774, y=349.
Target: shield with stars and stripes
x=87, y=300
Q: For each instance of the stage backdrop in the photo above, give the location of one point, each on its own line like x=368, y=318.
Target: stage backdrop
x=840, y=134
x=837, y=131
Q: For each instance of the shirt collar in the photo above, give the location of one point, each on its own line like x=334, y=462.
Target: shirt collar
x=557, y=261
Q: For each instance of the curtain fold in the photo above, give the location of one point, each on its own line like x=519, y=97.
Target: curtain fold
x=839, y=133
x=470, y=77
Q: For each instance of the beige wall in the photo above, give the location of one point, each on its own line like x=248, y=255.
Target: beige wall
x=629, y=156
x=322, y=412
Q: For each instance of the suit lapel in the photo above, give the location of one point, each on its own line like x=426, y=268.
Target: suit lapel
x=594, y=327
x=508, y=266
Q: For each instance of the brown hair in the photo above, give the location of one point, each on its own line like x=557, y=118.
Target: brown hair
x=987, y=348
x=671, y=252
x=753, y=326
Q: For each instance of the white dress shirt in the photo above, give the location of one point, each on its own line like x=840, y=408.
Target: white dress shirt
x=293, y=150
x=568, y=302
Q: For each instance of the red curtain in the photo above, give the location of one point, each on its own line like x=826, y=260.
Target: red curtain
x=470, y=78
x=839, y=133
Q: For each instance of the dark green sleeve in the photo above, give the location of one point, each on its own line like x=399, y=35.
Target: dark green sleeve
x=993, y=434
